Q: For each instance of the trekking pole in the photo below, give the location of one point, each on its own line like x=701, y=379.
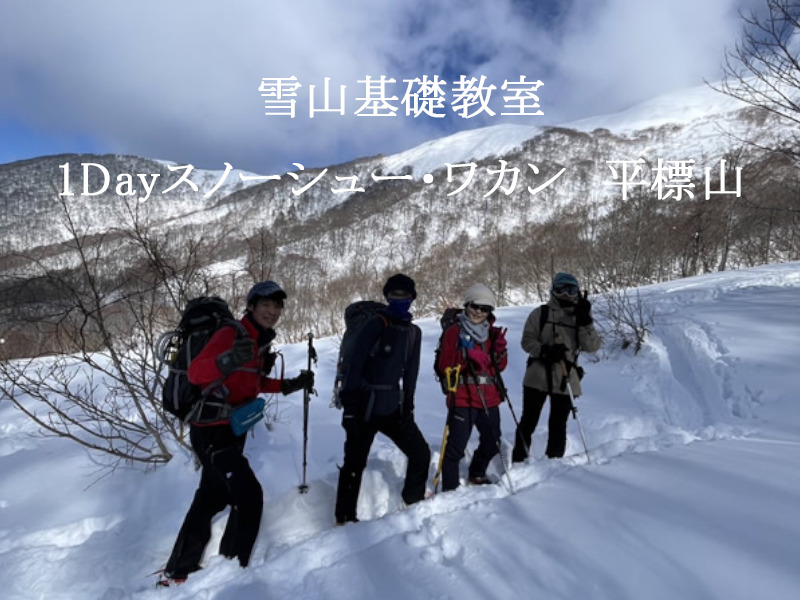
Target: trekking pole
x=574, y=409
x=438, y=475
x=451, y=375
x=312, y=355
x=504, y=391
x=496, y=438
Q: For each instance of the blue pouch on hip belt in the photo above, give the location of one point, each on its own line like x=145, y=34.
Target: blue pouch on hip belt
x=244, y=417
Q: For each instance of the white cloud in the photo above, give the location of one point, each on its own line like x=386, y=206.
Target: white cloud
x=622, y=52
x=178, y=80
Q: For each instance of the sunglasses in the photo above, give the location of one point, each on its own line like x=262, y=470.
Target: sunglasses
x=484, y=308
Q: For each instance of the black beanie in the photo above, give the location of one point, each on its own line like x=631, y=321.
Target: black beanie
x=400, y=282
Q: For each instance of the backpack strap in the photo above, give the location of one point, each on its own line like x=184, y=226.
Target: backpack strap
x=376, y=344
x=544, y=315
x=409, y=342
x=220, y=401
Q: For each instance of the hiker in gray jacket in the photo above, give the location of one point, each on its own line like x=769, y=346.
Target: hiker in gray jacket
x=553, y=344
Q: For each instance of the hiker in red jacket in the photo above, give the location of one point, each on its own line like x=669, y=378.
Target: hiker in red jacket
x=473, y=351
x=233, y=369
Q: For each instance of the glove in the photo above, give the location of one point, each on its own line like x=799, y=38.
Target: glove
x=465, y=341
x=554, y=353
x=500, y=343
x=240, y=353
x=479, y=357
x=304, y=381
x=583, y=310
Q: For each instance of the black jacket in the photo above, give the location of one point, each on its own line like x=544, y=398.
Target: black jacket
x=386, y=356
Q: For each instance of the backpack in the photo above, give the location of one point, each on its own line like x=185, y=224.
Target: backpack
x=356, y=316
x=200, y=320
x=449, y=317
x=544, y=315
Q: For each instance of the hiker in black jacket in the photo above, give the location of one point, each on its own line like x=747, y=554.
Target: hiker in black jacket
x=377, y=395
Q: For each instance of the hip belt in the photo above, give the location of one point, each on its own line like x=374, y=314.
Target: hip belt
x=480, y=380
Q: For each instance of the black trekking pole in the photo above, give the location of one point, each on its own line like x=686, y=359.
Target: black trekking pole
x=501, y=386
x=574, y=409
x=312, y=355
x=496, y=438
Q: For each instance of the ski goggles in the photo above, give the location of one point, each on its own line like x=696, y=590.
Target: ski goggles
x=484, y=308
x=566, y=290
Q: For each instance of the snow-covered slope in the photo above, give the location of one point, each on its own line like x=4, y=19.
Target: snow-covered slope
x=680, y=108
x=691, y=491
x=461, y=147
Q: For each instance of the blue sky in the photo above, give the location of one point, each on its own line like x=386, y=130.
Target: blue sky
x=179, y=80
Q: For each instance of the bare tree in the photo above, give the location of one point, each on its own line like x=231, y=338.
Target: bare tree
x=763, y=68
x=99, y=321
x=624, y=320
x=262, y=251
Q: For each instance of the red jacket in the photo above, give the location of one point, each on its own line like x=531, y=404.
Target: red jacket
x=243, y=384
x=467, y=394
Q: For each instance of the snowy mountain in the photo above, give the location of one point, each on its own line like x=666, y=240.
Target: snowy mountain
x=690, y=492
x=515, y=199
x=677, y=110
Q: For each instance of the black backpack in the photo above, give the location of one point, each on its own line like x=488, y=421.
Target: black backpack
x=200, y=320
x=449, y=317
x=356, y=316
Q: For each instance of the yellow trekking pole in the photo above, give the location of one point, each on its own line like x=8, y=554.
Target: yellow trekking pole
x=451, y=374
x=441, y=459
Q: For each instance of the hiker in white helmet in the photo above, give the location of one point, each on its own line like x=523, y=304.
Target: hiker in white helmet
x=473, y=352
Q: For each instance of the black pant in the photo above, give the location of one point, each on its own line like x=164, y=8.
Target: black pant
x=226, y=479
x=403, y=431
x=460, y=421
x=533, y=400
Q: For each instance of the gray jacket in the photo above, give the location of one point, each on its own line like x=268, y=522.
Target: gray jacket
x=559, y=329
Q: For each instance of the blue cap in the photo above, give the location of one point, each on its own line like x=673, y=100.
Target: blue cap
x=265, y=289
x=564, y=279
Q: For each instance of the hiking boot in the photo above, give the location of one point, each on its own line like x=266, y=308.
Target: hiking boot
x=480, y=480
x=518, y=455
x=518, y=458
x=167, y=581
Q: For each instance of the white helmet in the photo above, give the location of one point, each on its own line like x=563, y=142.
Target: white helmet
x=480, y=294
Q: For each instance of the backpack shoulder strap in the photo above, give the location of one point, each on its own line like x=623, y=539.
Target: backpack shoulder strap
x=544, y=314
x=241, y=330
x=377, y=343
x=412, y=339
